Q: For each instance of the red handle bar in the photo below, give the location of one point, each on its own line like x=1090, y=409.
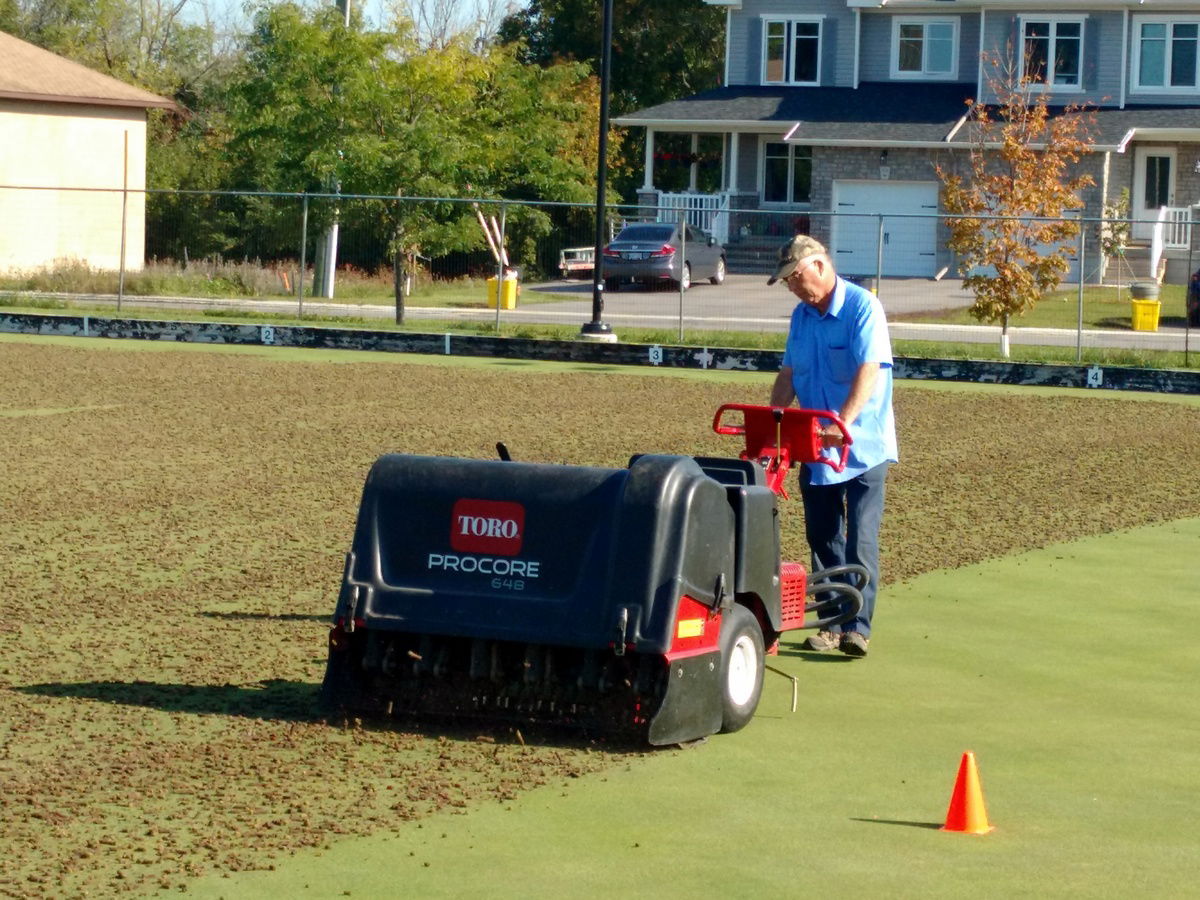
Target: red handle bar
x=778, y=438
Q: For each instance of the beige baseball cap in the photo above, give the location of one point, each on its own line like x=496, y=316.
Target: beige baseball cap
x=794, y=252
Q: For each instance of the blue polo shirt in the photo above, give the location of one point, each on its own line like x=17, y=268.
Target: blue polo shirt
x=824, y=353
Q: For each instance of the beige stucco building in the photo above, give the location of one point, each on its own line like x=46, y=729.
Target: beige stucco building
x=72, y=157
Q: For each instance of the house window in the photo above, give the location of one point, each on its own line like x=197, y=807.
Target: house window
x=1166, y=55
x=1053, y=51
x=791, y=51
x=787, y=173
x=924, y=48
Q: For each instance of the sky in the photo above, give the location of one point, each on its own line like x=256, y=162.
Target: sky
x=232, y=12
x=230, y=15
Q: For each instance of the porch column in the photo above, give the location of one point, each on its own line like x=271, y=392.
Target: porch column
x=694, y=167
x=733, y=162
x=648, y=182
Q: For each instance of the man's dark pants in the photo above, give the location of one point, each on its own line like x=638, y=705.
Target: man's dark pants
x=842, y=525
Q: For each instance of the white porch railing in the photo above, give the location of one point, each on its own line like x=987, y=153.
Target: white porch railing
x=1175, y=223
x=1172, y=231
x=708, y=212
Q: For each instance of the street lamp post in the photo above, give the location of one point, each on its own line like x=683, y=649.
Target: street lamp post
x=597, y=329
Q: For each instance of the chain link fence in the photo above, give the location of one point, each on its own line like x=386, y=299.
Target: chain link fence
x=327, y=253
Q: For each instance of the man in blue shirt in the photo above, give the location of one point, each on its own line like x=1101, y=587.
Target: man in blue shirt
x=839, y=358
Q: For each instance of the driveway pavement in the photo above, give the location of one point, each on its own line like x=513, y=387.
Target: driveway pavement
x=748, y=297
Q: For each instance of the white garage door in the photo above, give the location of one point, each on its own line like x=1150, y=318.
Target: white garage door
x=908, y=209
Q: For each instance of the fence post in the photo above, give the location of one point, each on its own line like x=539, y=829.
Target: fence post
x=1079, y=275
x=879, y=259
x=124, y=222
x=401, y=276
x=682, y=265
x=303, y=259
x=1187, y=317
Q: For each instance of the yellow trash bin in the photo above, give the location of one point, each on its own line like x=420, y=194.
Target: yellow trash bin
x=508, y=294
x=1145, y=314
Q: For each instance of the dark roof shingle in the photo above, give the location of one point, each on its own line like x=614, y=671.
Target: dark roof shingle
x=872, y=112
x=881, y=113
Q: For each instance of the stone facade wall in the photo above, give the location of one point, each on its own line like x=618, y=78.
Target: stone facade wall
x=832, y=164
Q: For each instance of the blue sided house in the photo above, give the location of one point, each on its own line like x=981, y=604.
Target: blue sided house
x=835, y=112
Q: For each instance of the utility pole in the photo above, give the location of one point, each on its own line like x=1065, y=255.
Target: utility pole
x=328, y=242
x=597, y=329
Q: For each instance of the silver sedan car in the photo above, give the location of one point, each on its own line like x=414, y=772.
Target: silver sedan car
x=654, y=251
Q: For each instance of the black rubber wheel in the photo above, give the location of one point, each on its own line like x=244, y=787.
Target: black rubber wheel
x=743, y=657
x=685, y=280
x=612, y=285
x=718, y=277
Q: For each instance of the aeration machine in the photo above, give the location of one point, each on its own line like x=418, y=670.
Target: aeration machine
x=639, y=602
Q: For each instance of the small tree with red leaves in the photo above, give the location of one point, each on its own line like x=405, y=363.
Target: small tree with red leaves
x=1009, y=225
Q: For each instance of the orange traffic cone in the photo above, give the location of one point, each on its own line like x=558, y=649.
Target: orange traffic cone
x=966, y=812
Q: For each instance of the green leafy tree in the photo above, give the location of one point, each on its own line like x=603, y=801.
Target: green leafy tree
x=10, y=16
x=303, y=103
x=142, y=42
x=1009, y=225
x=1115, y=231
x=148, y=43
x=662, y=50
x=319, y=107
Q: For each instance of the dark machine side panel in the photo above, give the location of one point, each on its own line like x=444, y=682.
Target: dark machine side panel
x=756, y=530
x=584, y=557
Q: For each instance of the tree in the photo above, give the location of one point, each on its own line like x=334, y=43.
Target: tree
x=305, y=103
x=150, y=44
x=10, y=16
x=1115, y=231
x=319, y=107
x=1009, y=225
x=146, y=43
x=439, y=23
x=662, y=50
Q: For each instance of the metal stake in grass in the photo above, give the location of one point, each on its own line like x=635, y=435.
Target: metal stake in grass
x=795, y=683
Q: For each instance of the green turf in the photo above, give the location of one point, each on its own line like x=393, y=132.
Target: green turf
x=1103, y=307
x=1069, y=672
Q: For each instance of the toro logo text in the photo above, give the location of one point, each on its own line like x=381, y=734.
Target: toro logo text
x=495, y=527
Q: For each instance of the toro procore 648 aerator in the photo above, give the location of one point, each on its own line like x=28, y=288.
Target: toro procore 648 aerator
x=637, y=601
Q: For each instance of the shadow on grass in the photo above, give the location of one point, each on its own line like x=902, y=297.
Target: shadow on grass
x=291, y=701
x=298, y=701
x=1125, y=323
x=268, y=617
x=816, y=656
x=933, y=825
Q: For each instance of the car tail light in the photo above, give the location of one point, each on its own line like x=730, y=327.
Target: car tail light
x=609, y=251
x=664, y=250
